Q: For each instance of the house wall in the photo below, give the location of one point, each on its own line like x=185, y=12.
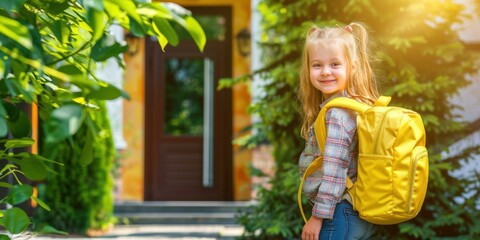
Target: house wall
x=469, y=99
x=469, y=96
x=132, y=159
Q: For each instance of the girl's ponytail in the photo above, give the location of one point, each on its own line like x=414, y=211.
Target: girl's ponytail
x=364, y=85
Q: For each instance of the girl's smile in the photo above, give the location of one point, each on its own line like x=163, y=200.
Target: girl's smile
x=327, y=81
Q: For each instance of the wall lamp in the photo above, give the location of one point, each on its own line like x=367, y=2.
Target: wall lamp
x=243, y=42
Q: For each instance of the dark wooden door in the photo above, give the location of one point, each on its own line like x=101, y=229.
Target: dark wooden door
x=188, y=122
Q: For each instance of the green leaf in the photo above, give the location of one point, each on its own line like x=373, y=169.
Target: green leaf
x=3, y=127
x=3, y=111
x=102, y=50
x=15, y=220
x=63, y=122
x=33, y=168
x=183, y=17
x=7, y=167
x=47, y=229
x=111, y=51
x=96, y=20
x=78, y=76
x=162, y=40
x=84, y=83
x=107, y=92
x=61, y=31
x=196, y=31
x=38, y=157
x=113, y=10
x=41, y=203
x=176, y=9
x=136, y=23
x=21, y=127
x=158, y=8
x=6, y=185
x=16, y=143
x=141, y=1
x=56, y=7
x=135, y=28
x=12, y=5
x=87, y=152
x=2, y=64
x=147, y=12
x=4, y=237
x=17, y=122
x=95, y=4
x=163, y=28
x=70, y=69
x=19, y=194
x=15, y=31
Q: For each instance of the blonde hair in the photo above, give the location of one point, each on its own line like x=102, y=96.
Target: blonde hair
x=361, y=84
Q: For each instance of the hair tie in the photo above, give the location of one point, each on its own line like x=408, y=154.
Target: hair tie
x=348, y=28
x=312, y=30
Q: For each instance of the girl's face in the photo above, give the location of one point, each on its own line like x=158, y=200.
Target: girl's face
x=328, y=72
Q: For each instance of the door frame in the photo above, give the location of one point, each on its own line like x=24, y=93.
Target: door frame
x=222, y=109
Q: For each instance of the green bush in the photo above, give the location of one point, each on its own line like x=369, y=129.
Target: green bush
x=423, y=63
x=81, y=191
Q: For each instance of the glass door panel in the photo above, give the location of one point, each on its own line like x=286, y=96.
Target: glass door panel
x=189, y=105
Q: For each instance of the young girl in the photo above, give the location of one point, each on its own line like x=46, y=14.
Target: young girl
x=336, y=62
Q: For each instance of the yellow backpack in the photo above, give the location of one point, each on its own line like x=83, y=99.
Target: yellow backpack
x=392, y=172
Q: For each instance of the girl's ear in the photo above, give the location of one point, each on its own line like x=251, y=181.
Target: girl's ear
x=354, y=67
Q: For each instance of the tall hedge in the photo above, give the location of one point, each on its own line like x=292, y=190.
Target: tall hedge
x=81, y=190
x=423, y=63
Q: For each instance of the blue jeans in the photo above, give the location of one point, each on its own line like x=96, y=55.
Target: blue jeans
x=346, y=224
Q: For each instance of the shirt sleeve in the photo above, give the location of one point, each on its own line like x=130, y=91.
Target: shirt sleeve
x=341, y=126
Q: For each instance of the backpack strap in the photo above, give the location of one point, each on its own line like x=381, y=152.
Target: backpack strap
x=316, y=164
x=342, y=102
x=382, y=101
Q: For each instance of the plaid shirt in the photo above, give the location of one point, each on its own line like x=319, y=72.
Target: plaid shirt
x=325, y=187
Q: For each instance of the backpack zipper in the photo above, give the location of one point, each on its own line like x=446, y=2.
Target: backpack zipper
x=413, y=163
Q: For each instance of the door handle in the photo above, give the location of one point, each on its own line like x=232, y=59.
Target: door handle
x=208, y=98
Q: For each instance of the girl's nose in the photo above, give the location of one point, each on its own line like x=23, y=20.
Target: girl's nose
x=325, y=71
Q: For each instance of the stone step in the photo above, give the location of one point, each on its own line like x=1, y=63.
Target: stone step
x=179, y=212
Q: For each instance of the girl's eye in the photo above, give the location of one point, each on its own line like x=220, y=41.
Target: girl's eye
x=336, y=64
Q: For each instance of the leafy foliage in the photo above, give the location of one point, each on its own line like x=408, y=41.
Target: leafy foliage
x=423, y=63
x=81, y=190
x=48, y=52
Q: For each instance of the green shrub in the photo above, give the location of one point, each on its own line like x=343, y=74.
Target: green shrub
x=81, y=192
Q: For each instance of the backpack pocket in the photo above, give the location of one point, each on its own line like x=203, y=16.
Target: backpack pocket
x=374, y=185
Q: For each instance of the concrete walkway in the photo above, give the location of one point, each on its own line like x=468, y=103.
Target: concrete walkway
x=190, y=232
